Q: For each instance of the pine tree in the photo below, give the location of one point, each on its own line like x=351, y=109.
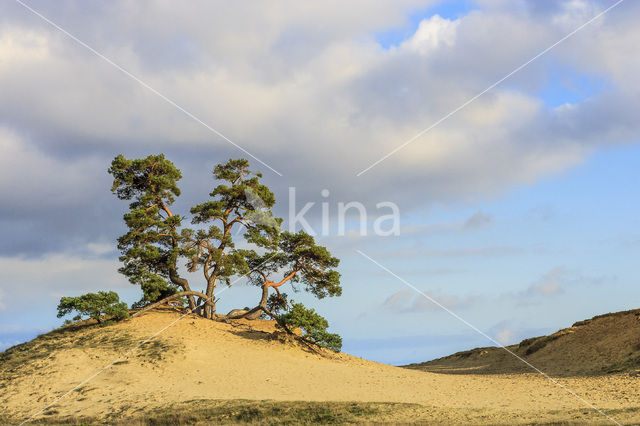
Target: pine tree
x=153, y=243
x=242, y=202
x=94, y=305
x=156, y=239
x=301, y=260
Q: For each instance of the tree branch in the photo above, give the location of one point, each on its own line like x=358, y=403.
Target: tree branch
x=173, y=297
x=284, y=280
x=164, y=207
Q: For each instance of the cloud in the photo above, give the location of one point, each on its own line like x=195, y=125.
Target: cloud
x=478, y=220
x=306, y=88
x=550, y=283
x=51, y=203
x=54, y=276
x=506, y=337
x=399, y=300
x=557, y=281
x=431, y=34
x=308, y=83
x=409, y=301
x=301, y=87
x=511, y=331
x=460, y=252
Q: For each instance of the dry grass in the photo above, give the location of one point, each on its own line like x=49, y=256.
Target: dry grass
x=206, y=412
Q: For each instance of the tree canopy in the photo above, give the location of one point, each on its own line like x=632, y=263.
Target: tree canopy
x=233, y=204
x=153, y=243
x=160, y=254
x=297, y=258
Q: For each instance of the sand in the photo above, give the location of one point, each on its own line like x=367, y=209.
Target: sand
x=201, y=359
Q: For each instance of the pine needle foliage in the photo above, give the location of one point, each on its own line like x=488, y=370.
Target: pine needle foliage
x=94, y=305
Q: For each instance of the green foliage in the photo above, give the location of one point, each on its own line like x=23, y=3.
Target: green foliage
x=240, y=201
x=277, y=303
x=297, y=257
x=94, y=305
x=313, y=326
x=314, y=264
x=155, y=239
x=151, y=247
x=145, y=181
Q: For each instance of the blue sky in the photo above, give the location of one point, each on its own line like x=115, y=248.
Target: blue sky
x=567, y=86
x=583, y=220
x=518, y=213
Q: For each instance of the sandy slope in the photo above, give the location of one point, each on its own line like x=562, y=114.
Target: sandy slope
x=604, y=344
x=200, y=359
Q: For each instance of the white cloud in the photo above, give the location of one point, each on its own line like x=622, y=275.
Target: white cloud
x=407, y=301
x=55, y=276
x=574, y=13
x=100, y=248
x=431, y=34
x=306, y=89
x=506, y=337
x=22, y=47
x=309, y=91
x=557, y=281
x=550, y=283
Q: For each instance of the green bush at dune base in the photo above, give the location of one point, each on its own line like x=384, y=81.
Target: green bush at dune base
x=94, y=305
x=313, y=326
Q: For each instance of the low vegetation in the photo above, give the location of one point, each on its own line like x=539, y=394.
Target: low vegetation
x=205, y=412
x=24, y=358
x=95, y=306
x=241, y=411
x=313, y=326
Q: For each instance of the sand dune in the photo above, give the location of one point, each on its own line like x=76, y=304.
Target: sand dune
x=604, y=344
x=197, y=359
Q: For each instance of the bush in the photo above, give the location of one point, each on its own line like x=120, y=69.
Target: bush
x=313, y=326
x=94, y=305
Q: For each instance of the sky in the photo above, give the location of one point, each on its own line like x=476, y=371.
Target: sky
x=518, y=213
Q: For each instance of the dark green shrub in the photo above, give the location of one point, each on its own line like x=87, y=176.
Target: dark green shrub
x=94, y=305
x=313, y=326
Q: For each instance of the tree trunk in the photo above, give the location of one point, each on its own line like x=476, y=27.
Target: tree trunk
x=255, y=313
x=179, y=281
x=199, y=308
x=173, y=297
x=210, y=308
